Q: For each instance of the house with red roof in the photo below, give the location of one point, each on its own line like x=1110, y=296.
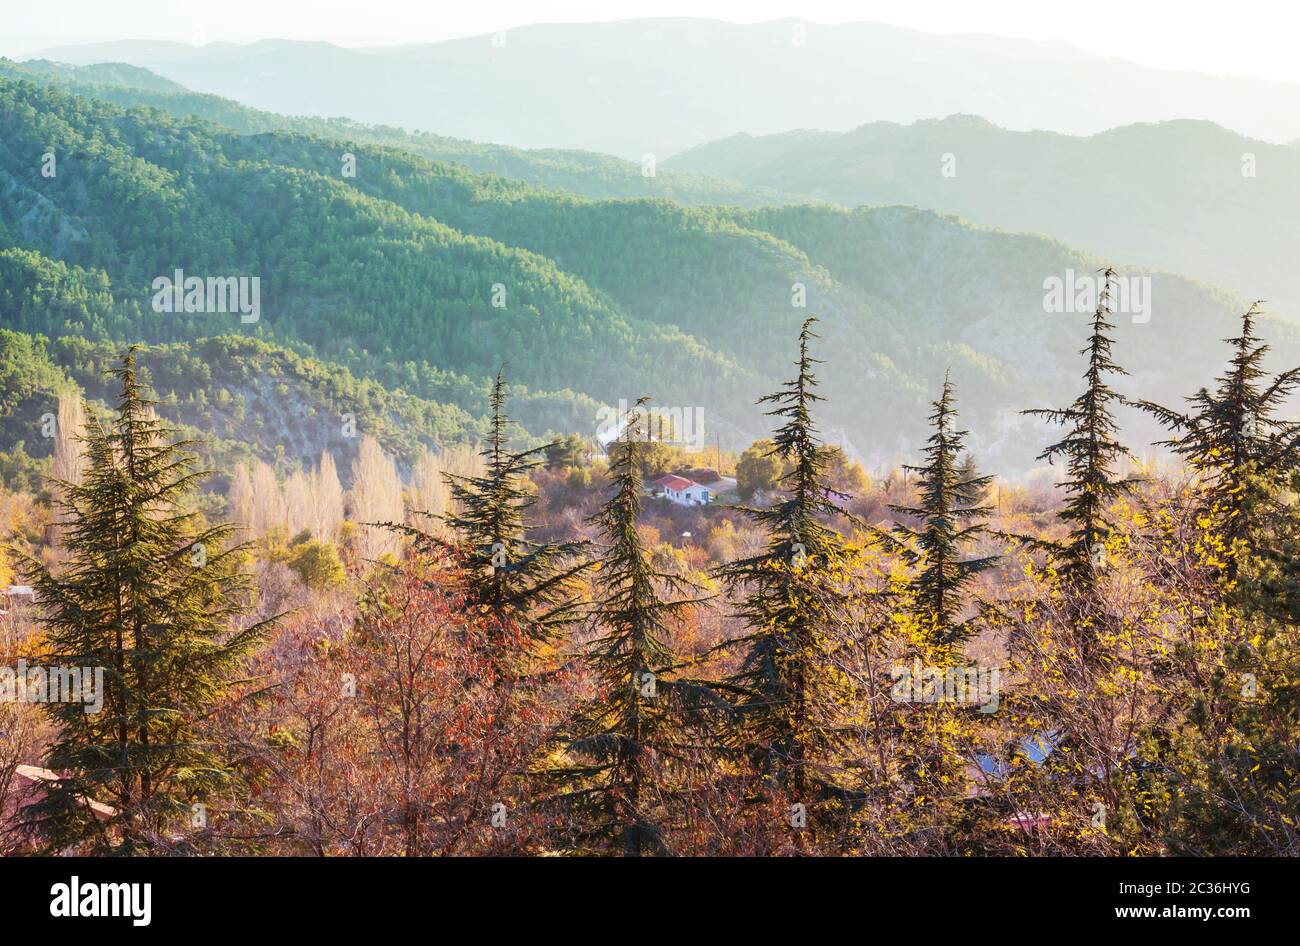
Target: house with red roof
x=683, y=492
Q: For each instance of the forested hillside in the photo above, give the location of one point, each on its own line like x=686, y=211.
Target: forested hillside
x=243, y=398
x=589, y=173
x=426, y=276
x=368, y=493
x=1193, y=197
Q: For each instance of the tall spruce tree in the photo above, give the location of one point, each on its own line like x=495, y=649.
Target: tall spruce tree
x=521, y=581
x=1235, y=439
x=948, y=520
x=627, y=737
x=148, y=594
x=787, y=593
x=1091, y=450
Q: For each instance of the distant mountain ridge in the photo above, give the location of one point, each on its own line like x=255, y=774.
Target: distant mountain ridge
x=659, y=86
x=582, y=172
x=1178, y=186
x=1188, y=196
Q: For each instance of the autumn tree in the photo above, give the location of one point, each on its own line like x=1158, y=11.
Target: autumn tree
x=327, y=500
x=570, y=451
x=455, y=740
x=1227, y=757
x=758, y=469
x=69, y=428
x=376, y=499
x=391, y=734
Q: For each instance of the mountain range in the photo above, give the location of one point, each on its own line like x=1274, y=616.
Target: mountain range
x=1187, y=196
x=421, y=277
x=659, y=86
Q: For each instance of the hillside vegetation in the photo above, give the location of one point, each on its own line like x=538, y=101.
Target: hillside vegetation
x=1188, y=196
x=426, y=277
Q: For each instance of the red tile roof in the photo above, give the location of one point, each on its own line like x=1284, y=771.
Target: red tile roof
x=675, y=483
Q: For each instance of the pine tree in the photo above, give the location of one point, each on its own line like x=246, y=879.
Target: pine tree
x=520, y=580
x=948, y=521
x=627, y=737
x=1091, y=450
x=148, y=594
x=787, y=593
x=1233, y=437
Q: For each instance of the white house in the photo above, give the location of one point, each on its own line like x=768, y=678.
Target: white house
x=683, y=492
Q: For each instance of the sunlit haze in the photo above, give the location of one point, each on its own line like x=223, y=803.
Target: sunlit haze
x=1248, y=38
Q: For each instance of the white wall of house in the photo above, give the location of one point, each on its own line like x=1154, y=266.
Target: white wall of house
x=693, y=495
x=698, y=495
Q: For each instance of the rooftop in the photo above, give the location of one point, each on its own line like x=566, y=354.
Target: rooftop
x=675, y=483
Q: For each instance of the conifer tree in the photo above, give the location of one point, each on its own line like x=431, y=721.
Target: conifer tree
x=947, y=522
x=520, y=580
x=1236, y=737
x=787, y=593
x=1235, y=439
x=628, y=736
x=1091, y=450
x=968, y=470
x=148, y=593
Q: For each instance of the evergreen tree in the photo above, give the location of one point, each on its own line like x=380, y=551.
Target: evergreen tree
x=948, y=521
x=519, y=580
x=148, y=594
x=786, y=593
x=627, y=736
x=1233, y=437
x=571, y=451
x=1091, y=450
x=968, y=470
x=1237, y=737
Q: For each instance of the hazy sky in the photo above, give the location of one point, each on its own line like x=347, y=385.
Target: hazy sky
x=1246, y=37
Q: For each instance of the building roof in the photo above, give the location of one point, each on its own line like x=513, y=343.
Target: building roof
x=29, y=788
x=677, y=483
